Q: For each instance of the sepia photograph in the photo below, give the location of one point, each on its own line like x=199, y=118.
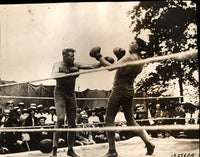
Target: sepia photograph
x=103, y=79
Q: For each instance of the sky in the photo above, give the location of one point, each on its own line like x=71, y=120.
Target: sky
x=33, y=36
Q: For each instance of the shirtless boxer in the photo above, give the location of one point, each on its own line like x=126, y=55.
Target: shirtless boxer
x=122, y=95
x=64, y=94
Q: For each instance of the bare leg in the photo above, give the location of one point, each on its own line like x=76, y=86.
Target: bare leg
x=56, y=135
x=110, y=117
x=128, y=112
x=60, y=111
x=71, y=117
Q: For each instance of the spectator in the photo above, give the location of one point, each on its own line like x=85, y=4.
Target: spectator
x=19, y=114
x=51, y=117
x=42, y=121
x=100, y=113
x=187, y=116
x=39, y=112
x=31, y=120
x=78, y=116
x=152, y=108
x=180, y=113
x=195, y=115
x=24, y=115
x=167, y=113
x=142, y=117
x=46, y=111
x=16, y=117
x=82, y=137
x=120, y=119
x=11, y=140
x=43, y=134
x=6, y=115
x=158, y=114
x=10, y=105
x=93, y=118
x=21, y=106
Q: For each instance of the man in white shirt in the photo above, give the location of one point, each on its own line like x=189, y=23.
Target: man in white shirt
x=51, y=117
x=93, y=118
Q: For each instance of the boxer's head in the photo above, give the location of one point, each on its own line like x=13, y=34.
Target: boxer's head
x=134, y=47
x=68, y=56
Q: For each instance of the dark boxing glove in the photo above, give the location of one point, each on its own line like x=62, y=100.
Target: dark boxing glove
x=95, y=53
x=119, y=52
x=109, y=59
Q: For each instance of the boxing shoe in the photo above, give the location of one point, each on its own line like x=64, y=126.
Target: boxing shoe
x=111, y=153
x=150, y=148
x=72, y=153
x=54, y=152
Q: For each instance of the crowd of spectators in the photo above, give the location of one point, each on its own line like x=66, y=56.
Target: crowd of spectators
x=38, y=116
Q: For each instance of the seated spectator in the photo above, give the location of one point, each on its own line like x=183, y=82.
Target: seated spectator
x=100, y=113
x=21, y=106
x=93, y=118
x=167, y=113
x=43, y=134
x=46, y=111
x=31, y=120
x=78, y=116
x=24, y=115
x=187, y=116
x=82, y=137
x=142, y=117
x=5, y=117
x=11, y=140
x=9, y=105
x=195, y=115
x=39, y=112
x=42, y=121
x=120, y=118
x=51, y=117
x=180, y=113
x=33, y=105
x=16, y=117
x=158, y=114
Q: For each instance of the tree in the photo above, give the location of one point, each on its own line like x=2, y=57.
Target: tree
x=172, y=28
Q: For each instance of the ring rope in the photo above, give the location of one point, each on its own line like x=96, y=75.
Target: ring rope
x=179, y=56
x=109, y=128
x=95, y=124
x=51, y=98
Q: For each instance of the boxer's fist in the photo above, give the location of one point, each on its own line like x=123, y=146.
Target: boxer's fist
x=73, y=69
x=119, y=52
x=95, y=53
x=109, y=59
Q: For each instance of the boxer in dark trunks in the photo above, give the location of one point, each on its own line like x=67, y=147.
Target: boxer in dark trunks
x=65, y=100
x=122, y=95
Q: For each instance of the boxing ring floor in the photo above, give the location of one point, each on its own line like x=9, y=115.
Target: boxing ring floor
x=133, y=147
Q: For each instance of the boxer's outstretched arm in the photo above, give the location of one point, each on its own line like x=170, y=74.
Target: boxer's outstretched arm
x=87, y=66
